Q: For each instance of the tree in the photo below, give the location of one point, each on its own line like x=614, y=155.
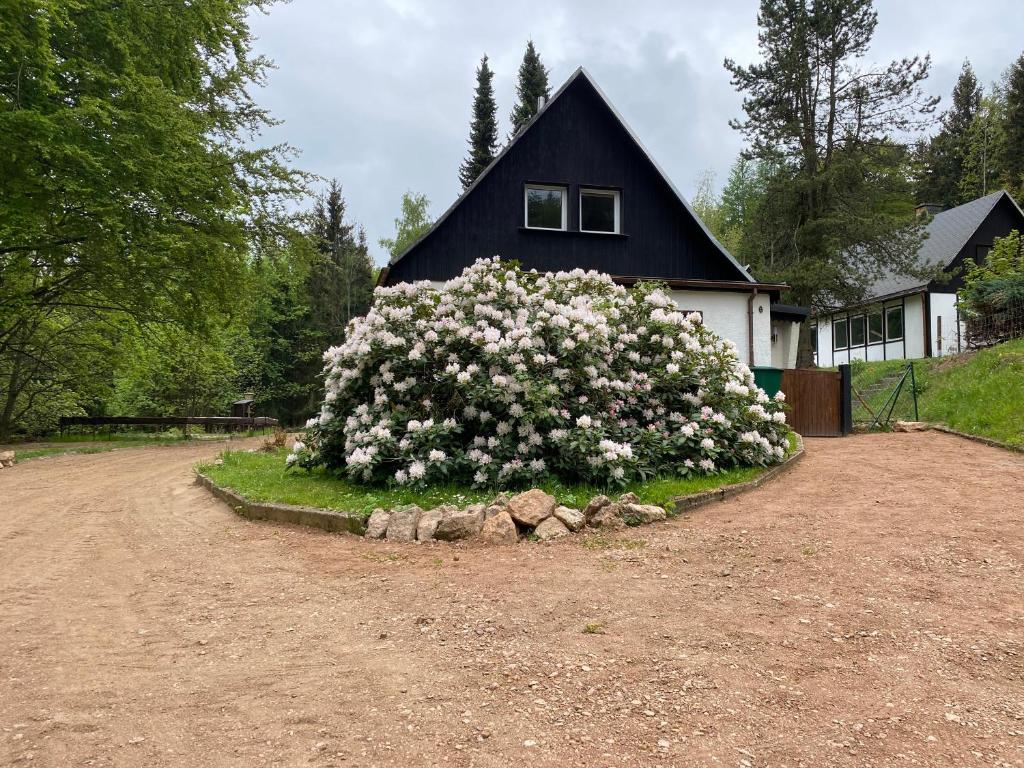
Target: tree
x=946, y=154
x=838, y=213
x=707, y=204
x=130, y=182
x=1014, y=128
x=410, y=226
x=985, y=155
x=483, y=130
x=532, y=85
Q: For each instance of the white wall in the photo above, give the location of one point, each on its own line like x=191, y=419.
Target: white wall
x=785, y=340
x=950, y=341
x=725, y=313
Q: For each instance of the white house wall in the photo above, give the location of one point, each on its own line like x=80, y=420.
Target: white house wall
x=725, y=313
x=785, y=341
x=947, y=330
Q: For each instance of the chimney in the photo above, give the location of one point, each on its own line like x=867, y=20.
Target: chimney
x=927, y=209
x=540, y=103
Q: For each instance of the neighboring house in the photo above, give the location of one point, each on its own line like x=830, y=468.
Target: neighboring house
x=576, y=189
x=908, y=317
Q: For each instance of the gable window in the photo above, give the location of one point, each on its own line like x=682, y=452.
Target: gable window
x=840, y=334
x=894, y=323
x=875, y=327
x=545, y=206
x=857, y=331
x=599, y=210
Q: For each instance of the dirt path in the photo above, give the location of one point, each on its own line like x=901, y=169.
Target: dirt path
x=868, y=609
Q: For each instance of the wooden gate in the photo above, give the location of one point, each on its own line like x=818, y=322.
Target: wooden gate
x=819, y=401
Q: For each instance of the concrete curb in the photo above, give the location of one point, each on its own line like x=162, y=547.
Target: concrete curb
x=324, y=519
x=977, y=438
x=695, y=500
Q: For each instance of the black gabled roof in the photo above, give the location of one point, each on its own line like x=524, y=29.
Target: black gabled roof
x=730, y=270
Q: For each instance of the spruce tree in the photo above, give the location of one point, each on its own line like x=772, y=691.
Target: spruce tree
x=1014, y=129
x=946, y=153
x=483, y=130
x=533, y=84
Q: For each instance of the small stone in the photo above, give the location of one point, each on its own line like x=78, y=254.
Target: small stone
x=427, y=526
x=377, y=525
x=643, y=513
x=572, y=518
x=532, y=507
x=499, y=529
x=629, y=498
x=596, y=505
x=609, y=516
x=529, y=743
x=551, y=528
x=460, y=524
x=404, y=523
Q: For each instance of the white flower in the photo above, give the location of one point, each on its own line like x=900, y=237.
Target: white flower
x=584, y=422
x=298, y=446
x=417, y=470
x=436, y=455
x=672, y=368
x=707, y=444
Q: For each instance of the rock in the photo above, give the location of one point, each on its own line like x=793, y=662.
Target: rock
x=910, y=426
x=550, y=528
x=642, y=513
x=404, y=523
x=596, y=505
x=377, y=525
x=629, y=498
x=492, y=510
x=608, y=516
x=501, y=500
x=460, y=524
x=572, y=518
x=428, y=523
x=499, y=529
x=532, y=507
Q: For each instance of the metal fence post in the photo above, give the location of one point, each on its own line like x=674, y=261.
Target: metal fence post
x=846, y=399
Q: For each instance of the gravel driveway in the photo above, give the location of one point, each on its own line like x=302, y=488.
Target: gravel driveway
x=865, y=609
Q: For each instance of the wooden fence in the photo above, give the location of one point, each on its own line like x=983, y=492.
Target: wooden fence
x=225, y=423
x=819, y=401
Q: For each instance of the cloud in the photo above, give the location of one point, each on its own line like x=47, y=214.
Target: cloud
x=378, y=94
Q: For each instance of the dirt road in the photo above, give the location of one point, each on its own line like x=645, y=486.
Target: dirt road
x=867, y=609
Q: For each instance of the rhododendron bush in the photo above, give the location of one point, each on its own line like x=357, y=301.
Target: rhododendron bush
x=507, y=378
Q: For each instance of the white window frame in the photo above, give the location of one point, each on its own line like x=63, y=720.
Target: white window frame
x=612, y=193
x=548, y=188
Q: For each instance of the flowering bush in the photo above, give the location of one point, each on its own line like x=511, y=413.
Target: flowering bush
x=503, y=377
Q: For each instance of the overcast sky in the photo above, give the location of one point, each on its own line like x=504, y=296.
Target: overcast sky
x=378, y=94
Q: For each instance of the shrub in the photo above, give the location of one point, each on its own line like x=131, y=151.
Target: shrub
x=505, y=378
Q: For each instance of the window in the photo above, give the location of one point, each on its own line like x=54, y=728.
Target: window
x=599, y=210
x=545, y=207
x=840, y=334
x=875, y=327
x=814, y=339
x=894, y=323
x=857, y=331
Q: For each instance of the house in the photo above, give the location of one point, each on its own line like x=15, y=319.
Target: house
x=576, y=189
x=909, y=317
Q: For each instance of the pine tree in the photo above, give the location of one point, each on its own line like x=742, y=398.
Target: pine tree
x=1014, y=129
x=483, y=130
x=838, y=213
x=945, y=154
x=533, y=85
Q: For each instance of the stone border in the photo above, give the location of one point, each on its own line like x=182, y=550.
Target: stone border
x=342, y=522
x=324, y=519
x=695, y=500
x=976, y=438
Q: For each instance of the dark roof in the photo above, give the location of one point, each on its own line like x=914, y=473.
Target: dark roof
x=790, y=312
x=243, y=402
x=947, y=234
x=578, y=74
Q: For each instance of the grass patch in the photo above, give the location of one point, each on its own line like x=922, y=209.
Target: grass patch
x=262, y=477
x=981, y=393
